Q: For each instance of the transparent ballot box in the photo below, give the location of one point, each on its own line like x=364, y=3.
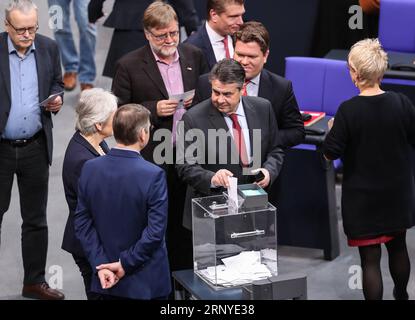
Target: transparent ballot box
x=233, y=246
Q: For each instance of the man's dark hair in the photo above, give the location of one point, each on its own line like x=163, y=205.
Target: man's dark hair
x=228, y=71
x=128, y=120
x=253, y=31
x=220, y=5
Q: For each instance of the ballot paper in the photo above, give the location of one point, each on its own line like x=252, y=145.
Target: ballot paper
x=240, y=269
x=233, y=192
x=52, y=97
x=182, y=97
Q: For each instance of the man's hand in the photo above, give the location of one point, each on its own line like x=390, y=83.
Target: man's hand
x=107, y=278
x=115, y=267
x=55, y=105
x=220, y=179
x=95, y=10
x=264, y=182
x=166, y=108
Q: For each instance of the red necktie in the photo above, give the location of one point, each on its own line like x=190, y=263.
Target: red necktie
x=239, y=139
x=244, y=89
x=226, y=45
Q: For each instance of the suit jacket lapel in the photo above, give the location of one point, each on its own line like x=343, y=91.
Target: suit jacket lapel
x=187, y=67
x=42, y=69
x=218, y=122
x=211, y=59
x=265, y=86
x=4, y=64
x=251, y=119
x=150, y=67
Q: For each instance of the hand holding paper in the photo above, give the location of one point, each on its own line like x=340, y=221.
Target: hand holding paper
x=53, y=103
x=184, y=99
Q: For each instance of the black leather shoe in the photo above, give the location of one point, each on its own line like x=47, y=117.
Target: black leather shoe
x=41, y=291
x=404, y=296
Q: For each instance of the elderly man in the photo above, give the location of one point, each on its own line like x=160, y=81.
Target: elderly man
x=150, y=76
x=224, y=17
x=228, y=112
x=30, y=72
x=252, y=51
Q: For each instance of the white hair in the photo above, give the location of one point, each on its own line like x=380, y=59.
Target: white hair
x=369, y=60
x=24, y=6
x=95, y=106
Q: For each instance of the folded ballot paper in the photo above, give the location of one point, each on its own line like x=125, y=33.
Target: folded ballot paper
x=240, y=269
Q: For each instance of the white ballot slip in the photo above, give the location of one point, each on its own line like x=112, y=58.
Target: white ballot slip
x=182, y=97
x=233, y=191
x=49, y=99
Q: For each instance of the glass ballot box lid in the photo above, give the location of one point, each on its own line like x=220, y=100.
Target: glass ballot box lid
x=233, y=246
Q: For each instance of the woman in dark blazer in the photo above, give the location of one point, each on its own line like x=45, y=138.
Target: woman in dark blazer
x=374, y=133
x=94, y=114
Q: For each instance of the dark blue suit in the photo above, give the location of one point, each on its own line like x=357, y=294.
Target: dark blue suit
x=201, y=40
x=122, y=214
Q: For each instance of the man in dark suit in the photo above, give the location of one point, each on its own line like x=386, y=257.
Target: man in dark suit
x=125, y=18
x=121, y=217
x=149, y=76
x=224, y=17
x=30, y=72
x=228, y=113
x=252, y=51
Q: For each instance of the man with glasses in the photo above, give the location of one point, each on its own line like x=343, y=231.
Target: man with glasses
x=30, y=72
x=149, y=76
x=74, y=64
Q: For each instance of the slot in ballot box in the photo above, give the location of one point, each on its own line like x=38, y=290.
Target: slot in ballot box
x=233, y=245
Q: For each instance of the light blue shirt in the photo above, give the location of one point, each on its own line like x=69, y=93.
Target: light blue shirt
x=240, y=112
x=25, y=115
x=252, y=87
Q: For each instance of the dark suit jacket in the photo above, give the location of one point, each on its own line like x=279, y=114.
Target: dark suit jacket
x=200, y=39
x=138, y=80
x=122, y=214
x=205, y=116
x=128, y=14
x=49, y=81
x=77, y=153
x=279, y=92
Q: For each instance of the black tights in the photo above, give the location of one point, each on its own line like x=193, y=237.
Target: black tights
x=399, y=267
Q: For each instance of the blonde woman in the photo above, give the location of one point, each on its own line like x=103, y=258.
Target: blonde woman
x=373, y=133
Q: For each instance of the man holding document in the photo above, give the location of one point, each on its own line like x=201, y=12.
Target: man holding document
x=30, y=72
x=161, y=77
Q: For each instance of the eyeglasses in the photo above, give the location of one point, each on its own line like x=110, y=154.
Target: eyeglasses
x=22, y=31
x=164, y=36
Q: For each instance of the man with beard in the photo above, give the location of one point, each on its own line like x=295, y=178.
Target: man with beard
x=149, y=76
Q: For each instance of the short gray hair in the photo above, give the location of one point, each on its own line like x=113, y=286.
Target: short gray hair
x=24, y=6
x=228, y=71
x=95, y=106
